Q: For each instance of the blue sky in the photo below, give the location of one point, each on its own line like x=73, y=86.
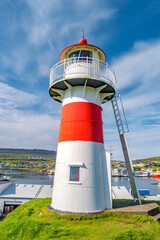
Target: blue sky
x=33, y=33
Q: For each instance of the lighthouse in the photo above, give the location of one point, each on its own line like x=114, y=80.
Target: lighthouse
x=82, y=81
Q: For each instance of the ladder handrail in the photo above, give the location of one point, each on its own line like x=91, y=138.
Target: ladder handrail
x=116, y=84
x=119, y=97
x=117, y=115
x=123, y=140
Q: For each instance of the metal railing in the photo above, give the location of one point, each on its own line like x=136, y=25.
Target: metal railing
x=77, y=67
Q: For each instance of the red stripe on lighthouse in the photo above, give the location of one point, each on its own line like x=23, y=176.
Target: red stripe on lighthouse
x=81, y=121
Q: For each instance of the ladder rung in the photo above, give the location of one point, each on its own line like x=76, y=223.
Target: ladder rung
x=114, y=105
x=117, y=118
x=119, y=121
x=116, y=111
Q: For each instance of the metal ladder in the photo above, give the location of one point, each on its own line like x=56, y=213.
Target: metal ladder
x=122, y=130
x=118, y=116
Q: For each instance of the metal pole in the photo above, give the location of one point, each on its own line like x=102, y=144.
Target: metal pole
x=129, y=166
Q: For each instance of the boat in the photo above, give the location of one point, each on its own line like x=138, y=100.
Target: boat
x=156, y=175
x=142, y=173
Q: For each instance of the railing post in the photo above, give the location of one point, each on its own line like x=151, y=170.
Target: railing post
x=64, y=68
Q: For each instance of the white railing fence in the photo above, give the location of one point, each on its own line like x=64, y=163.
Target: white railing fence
x=82, y=67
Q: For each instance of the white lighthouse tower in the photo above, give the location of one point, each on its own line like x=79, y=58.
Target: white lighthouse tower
x=81, y=81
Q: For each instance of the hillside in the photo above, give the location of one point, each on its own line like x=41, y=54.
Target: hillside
x=151, y=159
x=33, y=221
x=38, y=152
x=27, y=159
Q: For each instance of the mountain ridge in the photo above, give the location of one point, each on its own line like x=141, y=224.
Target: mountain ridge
x=27, y=151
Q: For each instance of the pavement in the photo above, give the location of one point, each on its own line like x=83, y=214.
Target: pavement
x=151, y=209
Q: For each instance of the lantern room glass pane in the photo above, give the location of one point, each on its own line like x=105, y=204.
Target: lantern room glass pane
x=74, y=54
x=85, y=53
x=81, y=55
x=74, y=174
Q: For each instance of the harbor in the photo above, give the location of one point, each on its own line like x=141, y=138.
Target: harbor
x=18, y=187
x=27, y=177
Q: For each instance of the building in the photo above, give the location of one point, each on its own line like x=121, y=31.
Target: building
x=13, y=194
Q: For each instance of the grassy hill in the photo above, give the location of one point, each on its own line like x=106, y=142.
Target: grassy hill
x=27, y=159
x=33, y=221
x=27, y=152
x=115, y=162
x=151, y=159
x=21, y=155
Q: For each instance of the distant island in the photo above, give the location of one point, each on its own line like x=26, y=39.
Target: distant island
x=39, y=160
x=38, y=152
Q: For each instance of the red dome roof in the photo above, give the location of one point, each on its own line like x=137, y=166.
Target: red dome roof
x=83, y=41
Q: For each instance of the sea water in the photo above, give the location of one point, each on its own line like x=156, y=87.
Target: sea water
x=26, y=177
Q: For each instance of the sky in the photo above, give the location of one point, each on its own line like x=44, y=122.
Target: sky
x=32, y=36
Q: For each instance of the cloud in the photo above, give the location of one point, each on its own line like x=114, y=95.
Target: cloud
x=138, y=75
x=60, y=19
x=19, y=129
x=34, y=36
x=11, y=97
x=23, y=127
x=140, y=65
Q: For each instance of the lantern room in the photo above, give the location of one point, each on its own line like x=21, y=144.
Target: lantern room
x=82, y=64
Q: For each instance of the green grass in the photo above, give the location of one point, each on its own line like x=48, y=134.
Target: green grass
x=33, y=221
x=13, y=157
x=31, y=169
x=149, y=159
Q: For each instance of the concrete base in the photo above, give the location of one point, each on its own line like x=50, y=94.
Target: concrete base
x=151, y=209
x=49, y=207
